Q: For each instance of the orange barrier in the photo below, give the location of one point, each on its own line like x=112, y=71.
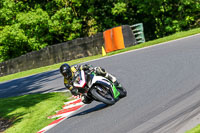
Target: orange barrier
x=113, y=39
x=118, y=38
x=108, y=40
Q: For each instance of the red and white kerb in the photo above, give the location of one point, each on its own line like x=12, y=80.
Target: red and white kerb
x=68, y=109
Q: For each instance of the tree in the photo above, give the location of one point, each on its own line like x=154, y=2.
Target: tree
x=64, y=25
x=40, y=23
x=13, y=42
x=36, y=28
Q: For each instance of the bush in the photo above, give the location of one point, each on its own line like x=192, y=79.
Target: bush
x=13, y=42
x=41, y=23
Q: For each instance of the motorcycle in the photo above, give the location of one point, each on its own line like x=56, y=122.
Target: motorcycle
x=97, y=88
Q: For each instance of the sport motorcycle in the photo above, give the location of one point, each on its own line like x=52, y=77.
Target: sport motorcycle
x=97, y=87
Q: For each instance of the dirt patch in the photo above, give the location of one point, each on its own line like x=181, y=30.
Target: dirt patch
x=4, y=124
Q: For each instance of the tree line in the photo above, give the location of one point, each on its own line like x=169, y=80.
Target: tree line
x=29, y=25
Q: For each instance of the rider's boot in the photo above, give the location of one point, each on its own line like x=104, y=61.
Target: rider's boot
x=86, y=99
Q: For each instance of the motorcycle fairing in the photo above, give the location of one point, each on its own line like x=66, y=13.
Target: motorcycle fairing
x=115, y=91
x=106, y=83
x=81, y=82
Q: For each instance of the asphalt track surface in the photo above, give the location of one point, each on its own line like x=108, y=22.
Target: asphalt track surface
x=163, y=84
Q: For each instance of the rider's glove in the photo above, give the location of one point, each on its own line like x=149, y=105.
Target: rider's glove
x=68, y=86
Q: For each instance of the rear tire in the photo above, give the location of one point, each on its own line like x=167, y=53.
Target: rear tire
x=109, y=100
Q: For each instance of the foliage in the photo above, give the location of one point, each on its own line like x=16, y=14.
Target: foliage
x=63, y=26
x=42, y=23
x=35, y=25
x=8, y=11
x=13, y=42
x=119, y=8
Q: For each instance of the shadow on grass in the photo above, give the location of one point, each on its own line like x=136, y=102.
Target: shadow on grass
x=10, y=107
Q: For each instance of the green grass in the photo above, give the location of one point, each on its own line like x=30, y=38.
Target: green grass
x=30, y=112
x=194, y=130
x=56, y=66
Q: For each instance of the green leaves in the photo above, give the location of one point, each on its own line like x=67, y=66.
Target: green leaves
x=35, y=25
x=31, y=25
x=13, y=42
x=119, y=8
x=7, y=12
x=63, y=23
x=28, y=33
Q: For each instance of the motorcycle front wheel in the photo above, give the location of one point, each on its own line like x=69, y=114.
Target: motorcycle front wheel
x=103, y=96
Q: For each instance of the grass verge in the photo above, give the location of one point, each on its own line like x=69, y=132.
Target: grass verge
x=29, y=112
x=194, y=130
x=56, y=66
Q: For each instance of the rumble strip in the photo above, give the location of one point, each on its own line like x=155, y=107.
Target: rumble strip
x=69, y=108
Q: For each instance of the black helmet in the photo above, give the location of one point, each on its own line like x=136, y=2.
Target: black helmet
x=65, y=70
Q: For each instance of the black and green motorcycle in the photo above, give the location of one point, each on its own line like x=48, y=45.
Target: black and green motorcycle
x=98, y=88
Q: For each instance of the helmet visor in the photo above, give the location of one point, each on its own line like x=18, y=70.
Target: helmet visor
x=67, y=74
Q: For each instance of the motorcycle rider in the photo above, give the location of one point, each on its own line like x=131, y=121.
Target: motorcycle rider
x=68, y=73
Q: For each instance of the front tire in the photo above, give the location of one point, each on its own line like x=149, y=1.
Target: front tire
x=86, y=100
x=100, y=96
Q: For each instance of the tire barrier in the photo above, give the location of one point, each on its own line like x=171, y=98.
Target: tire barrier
x=138, y=32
